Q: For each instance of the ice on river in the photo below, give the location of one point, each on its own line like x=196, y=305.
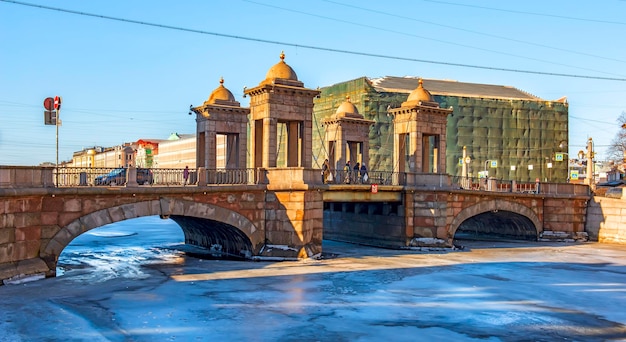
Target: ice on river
x=130, y=281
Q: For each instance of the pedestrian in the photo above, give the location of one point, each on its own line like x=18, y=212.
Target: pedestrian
x=346, y=171
x=355, y=173
x=186, y=175
x=325, y=171
x=363, y=174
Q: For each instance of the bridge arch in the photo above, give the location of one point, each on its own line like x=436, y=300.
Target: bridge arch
x=523, y=222
x=203, y=224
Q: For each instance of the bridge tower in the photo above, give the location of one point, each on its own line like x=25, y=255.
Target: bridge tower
x=420, y=133
x=281, y=111
x=347, y=136
x=221, y=131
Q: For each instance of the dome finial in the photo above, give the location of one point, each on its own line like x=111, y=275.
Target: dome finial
x=421, y=82
x=348, y=98
x=222, y=81
x=282, y=56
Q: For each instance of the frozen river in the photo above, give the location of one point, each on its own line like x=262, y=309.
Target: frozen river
x=130, y=282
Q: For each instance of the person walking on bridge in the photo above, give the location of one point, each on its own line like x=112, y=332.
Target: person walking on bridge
x=185, y=175
x=346, y=171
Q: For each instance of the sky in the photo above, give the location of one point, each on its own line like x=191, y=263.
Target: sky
x=129, y=70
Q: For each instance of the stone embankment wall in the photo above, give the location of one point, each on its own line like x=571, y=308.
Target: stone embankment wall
x=606, y=220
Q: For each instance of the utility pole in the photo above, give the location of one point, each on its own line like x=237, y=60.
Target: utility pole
x=52, y=116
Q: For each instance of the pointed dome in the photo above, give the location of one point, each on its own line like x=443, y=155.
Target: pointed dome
x=281, y=70
x=420, y=94
x=221, y=94
x=347, y=110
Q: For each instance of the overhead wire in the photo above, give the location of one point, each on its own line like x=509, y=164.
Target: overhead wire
x=393, y=15
x=474, y=47
x=528, y=13
x=313, y=47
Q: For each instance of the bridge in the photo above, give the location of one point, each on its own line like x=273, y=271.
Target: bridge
x=277, y=213
x=283, y=206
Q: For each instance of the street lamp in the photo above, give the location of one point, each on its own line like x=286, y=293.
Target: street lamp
x=589, y=155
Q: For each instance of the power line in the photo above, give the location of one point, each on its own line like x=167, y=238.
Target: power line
x=312, y=47
x=422, y=37
x=472, y=31
x=529, y=13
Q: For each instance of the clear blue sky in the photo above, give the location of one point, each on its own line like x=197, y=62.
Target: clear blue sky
x=123, y=81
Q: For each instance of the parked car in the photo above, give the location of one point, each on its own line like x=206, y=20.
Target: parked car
x=118, y=177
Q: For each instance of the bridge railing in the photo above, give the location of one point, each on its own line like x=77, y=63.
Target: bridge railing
x=493, y=184
x=79, y=176
x=84, y=176
x=367, y=177
x=41, y=177
x=565, y=189
x=500, y=185
x=229, y=176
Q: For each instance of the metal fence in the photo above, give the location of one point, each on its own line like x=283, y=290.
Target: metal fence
x=84, y=176
x=107, y=176
x=367, y=177
x=21, y=176
x=230, y=176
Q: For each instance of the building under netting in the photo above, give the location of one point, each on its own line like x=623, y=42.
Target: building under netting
x=509, y=133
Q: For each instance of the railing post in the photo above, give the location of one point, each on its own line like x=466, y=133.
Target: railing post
x=202, y=176
x=131, y=176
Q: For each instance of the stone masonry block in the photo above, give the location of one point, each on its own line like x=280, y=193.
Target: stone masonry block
x=73, y=204
x=25, y=250
x=143, y=209
x=116, y=214
x=28, y=233
x=49, y=217
x=7, y=235
x=27, y=219
x=6, y=253
x=6, y=221
x=76, y=228
x=97, y=219
x=55, y=247
x=48, y=231
x=130, y=211
x=52, y=204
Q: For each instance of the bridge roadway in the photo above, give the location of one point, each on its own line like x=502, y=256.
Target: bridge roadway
x=284, y=217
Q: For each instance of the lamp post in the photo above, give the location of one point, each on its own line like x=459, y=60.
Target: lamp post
x=589, y=179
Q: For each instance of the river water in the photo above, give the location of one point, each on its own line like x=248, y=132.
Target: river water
x=132, y=281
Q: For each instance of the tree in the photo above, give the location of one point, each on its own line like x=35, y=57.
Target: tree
x=617, y=149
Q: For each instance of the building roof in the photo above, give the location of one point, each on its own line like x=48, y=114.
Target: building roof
x=450, y=87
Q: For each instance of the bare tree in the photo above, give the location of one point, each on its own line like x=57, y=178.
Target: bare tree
x=617, y=149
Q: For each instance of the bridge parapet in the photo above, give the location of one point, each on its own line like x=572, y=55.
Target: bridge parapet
x=276, y=178
x=26, y=177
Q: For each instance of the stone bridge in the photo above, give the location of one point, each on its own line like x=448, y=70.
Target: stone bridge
x=279, y=220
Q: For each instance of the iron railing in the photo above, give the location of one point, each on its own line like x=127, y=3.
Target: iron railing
x=493, y=184
x=23, y=176
x=229, y=176
x=367, y=177
x=85, y=176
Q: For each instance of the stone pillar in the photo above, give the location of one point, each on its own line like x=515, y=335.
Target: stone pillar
x=281, y=98
x=221, y=114
x=421, y=118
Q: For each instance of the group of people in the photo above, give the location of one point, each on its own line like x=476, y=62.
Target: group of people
x=356, y=174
